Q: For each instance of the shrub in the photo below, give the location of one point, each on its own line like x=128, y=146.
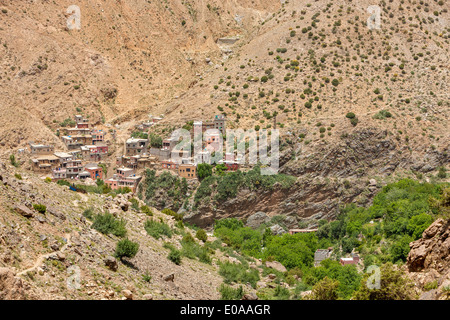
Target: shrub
x=238, y=273
x=335, y=82
x=354, y=121
x=175, y=256
x=18, y=176
x=40, y=208
x=12, y=160
x=442, y=174
x=229, y=293
x=393, y=286
x=201, y=235
x=126, y=248
x=326, y=289
x=350, y=115
x=177, y=216
x=157, y=229
x=89, y=214
x=107, y=224
x=147, y=210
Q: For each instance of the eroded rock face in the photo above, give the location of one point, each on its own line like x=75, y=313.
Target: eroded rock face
x=255, y=220
x=11, y=288
x=433, y=250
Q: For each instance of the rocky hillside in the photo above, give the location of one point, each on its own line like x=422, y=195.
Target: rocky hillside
x=429, y=261
x=128, y=56
x=40, y=252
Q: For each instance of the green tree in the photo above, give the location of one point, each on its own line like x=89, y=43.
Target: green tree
x=393, y=286
x=325, y=289
x=204, y=170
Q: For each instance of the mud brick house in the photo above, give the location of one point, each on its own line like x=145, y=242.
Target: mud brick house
x=124, y=172
x=63, y=157
x=76, y=131
x=90, y=153
x=124, y=177
x=170, y=165
x=45, y=163
x=187, y=170
x=135, y=146
x=322, y=254
x=98, y=137
x=219, y=123
x=81, y=122
x=353, y=260
x=70, y=143
x=59, y=173
x=40, y=149
x=95, y=171
x=73, y=169
x=231, y=165
x=169, y=144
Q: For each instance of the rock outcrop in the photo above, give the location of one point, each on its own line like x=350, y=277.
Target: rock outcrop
x=433, y=250
x=428, y=262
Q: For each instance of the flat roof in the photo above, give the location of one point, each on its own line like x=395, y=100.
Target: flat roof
x=63, y=155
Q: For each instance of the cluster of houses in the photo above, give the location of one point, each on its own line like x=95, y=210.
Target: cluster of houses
x=85, y=145
x=140, y=154
x=61, y=165
x=84, y=142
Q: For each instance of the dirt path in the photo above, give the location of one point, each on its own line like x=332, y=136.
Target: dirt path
x=44, y=257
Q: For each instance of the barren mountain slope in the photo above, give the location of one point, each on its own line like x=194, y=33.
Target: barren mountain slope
x=127, y=54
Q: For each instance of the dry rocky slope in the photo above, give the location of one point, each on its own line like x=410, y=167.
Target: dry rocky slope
x=39, y=253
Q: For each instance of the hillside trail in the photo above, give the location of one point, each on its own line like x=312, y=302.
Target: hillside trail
x=44, y=257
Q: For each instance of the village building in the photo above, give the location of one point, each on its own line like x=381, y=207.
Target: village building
x=169, y=144
x=73, y=169
x=294, y=231
x=124, y=177
x=353, y=260
x=187, y=170
x=203, y=157
x=70, y=143
x=95, y=171
x=84, y=175
x=124, y=172
x=98, y=137
x=76, y=131
x=170, y=165
x=218, y=123
x=90, y=153
x=81, y=122
x=40, y=149
x=231, y=165
x=322, y=254
x=45, y=163
x=135, y=146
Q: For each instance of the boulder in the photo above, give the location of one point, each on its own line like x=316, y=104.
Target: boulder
x=276, y=265
x=127, y=294
x=277, y=230
x=169, y=277
x=255, y=220
x=250, y=296
x=24, y=211
x=111, y=263
x=148, y=296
